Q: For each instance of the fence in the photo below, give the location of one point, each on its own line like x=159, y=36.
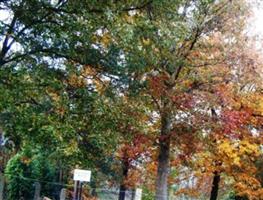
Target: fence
x=32, y=189
x=59, y=191
x=36, y=190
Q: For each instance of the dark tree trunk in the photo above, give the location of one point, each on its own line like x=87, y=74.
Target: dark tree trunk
x=123, y=187
x=163, y=160
x=215, y=186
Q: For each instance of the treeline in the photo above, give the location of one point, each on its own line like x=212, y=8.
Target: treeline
x=148, y=94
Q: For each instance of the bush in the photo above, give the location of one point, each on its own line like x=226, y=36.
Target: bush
x=23, y=170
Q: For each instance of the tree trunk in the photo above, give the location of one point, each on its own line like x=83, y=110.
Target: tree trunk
x=215, y=187
x=123, y=188
x=163, y=160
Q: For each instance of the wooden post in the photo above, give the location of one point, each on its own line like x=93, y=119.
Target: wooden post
x=2, y=182
x=37, y=191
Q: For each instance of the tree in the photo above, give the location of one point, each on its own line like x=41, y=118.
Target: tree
x=135, y=144
x=43, y=91
x=21, y=171
x=233, y=125
x=167, y=53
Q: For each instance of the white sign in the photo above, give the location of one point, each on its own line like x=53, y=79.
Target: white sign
x=138, y=194
x=82, y=175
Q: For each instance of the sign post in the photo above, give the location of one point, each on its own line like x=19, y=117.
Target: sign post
x=79, y=177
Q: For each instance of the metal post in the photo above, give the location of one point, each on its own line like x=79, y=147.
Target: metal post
x=80, y=190
x=75, y=190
